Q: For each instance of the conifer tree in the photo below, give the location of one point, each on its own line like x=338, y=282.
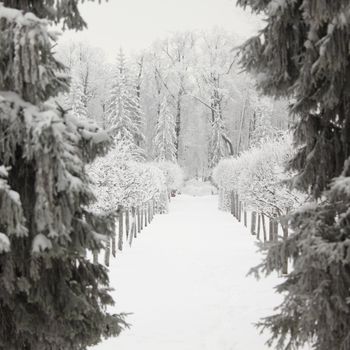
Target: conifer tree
x=123, y=112
x=303, y=53
x=138, y=120
x=164, y=141
x=77, y=96
x=52, y=296
x=260, y=129
x=136, y=82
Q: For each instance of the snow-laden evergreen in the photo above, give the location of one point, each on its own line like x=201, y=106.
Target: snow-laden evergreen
x=261, y=129
x=76, y=97
x=123, y=114
x=135, y=77
x=75, y=100
x=165, y=138
x=52, y=296
x=302, y=52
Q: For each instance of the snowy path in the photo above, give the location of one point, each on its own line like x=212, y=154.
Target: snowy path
x=185, y=281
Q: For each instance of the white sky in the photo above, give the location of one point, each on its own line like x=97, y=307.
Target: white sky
x=135, y=24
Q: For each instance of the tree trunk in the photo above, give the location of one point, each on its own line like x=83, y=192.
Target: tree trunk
x=271, y=230
x=127, y=223
x=149, y=212
x=284, y=253
x=145, y=214
x=258, y=231
x=113, y=238
x=252, y=127
x=139, y=138
x=95, y=256
x=221, y=199
x=275, y=229
x=240, y=211
x=237, y=207
x=121, y=229
x=245, y=216
x=141, y=210
x=264, y=226
x=135, y=221
x=232, y=202
x=138, y=220
x=229, y=144
x=239, y=138
x=107, y=251
x=253, y=223
x=133, y=225
x=178, y=122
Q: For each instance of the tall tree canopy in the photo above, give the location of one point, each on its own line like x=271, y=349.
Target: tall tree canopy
x=303, y=53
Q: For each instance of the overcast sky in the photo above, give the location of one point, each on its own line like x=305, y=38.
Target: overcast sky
x=135, y=24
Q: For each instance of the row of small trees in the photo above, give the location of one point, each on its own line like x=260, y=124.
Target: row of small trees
x=255, y=182
x=131, y=190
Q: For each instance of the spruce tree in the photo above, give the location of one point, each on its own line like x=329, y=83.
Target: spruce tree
x=260, y=129
x=303, y=53
x=136, y=83
x=164, y=141
x=138, y=119
x=76, y=97
x=52, y=296
x=123, y=114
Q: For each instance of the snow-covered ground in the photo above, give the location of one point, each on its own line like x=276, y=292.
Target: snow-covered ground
x=185, y=282
x=195, y=187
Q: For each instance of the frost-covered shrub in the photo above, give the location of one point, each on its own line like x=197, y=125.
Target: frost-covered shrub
x=120, y=180
x=154, y=186
x=173, y=173
x=257, y=176
x=225, y=176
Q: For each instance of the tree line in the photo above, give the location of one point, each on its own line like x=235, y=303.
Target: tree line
x=193, y=104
